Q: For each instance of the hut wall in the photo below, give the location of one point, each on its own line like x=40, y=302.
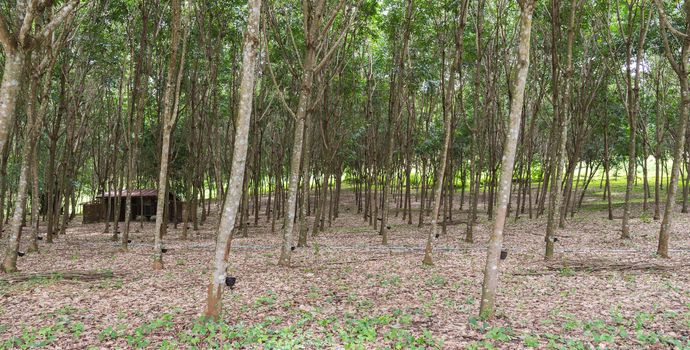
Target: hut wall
x=92, y=212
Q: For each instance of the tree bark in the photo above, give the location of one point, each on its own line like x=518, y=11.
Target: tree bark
x=493, y=252
x=448, y=96
x=239, y=160
x=9, y=90
x=168, y=120
x=681, y=69
x=9, y=263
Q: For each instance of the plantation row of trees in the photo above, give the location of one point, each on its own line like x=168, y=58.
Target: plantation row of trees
x=275, y=107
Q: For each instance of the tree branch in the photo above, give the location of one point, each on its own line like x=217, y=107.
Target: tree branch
x=665, y=22
x=664, y=38
x=273, y=77
x=5, y=37
x=333, y=48
x=55, y=21
x=27, y=23
x=328, y=25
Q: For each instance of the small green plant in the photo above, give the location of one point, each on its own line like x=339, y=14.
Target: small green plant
x=64, y=310
x=647, y=338
x=268, y=299
x=394, y=280
x=478, y=323
x=570, y=325
x=449, y=303
x=314, y=293
x=645, y=217
x=530, y=341
x=669, y=285
x=616, y=315
x=566, y=272
x=499, y=334
x=436, y=280
x=77, y=329
x=108, y=334
x=641, y=319
x=365, y=304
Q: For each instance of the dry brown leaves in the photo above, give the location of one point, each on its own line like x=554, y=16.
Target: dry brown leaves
x=347, y=274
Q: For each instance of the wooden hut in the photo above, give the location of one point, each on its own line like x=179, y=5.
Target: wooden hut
x=144, y=203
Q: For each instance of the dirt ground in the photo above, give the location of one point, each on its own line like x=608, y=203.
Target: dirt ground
x=347, y=291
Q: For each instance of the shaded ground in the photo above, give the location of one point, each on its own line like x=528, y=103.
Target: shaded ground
x=348, y=291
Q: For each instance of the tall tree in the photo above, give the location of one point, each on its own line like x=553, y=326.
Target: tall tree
x=631, y=98
x=33, y=127
x=448, y=90
x=394, y=112
x=170, y=100
x=19, y=36
x=493, y=250
x=317, y=40
x=680, y=66
x=561, y=113
x=239, y=161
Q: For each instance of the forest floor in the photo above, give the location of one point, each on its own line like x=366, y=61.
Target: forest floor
x=348, y=291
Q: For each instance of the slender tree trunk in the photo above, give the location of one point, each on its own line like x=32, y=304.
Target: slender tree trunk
x=448, y=96
x=475, y=166
x=306, y=180
x=493, y=251
x=168, y=120
x=607, y=161
x=300, y=117
x=33, y=244
x=562, y=115
x=239, y=160
x=9, y=90
x=9, y=263
x=633, y=85
x=139, y=103
x=681, y=69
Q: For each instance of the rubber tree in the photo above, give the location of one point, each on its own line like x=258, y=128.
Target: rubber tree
x=631, y=100
x=394, y=113
x=170, y=99
x=239, y=161
x=317, y=39
x=680, y=66
x=493, y=251
x=136, y=117
x=448, y=95
x=9, y=263
x=560, y=120
x=20, y=36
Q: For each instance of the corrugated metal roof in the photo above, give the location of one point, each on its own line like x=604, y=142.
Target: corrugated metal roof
x=135, y=193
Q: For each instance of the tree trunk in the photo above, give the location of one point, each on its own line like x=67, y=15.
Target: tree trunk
x=493, y=251
x=681, y=69
x=9, y=90
x=168, y=120
x=239, y=160
x=33, y=244
x=9, y=263
x=558, y=153
x=448, y=96
x=295, y=162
